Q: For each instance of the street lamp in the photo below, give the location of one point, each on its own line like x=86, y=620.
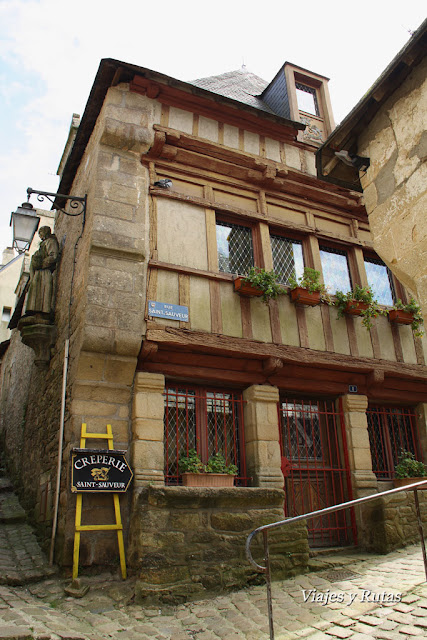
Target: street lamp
x=24, y=222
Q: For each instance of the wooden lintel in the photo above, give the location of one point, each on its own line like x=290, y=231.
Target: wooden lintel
x=226, y=345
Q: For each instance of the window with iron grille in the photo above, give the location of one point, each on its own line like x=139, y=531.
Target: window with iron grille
x=235, y=247
x=207, y=420
x=335, y=268
x=287, y=258
x=390, y=431
x=380, y=280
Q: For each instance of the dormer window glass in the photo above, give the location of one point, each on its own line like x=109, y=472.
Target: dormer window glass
x=307, y=99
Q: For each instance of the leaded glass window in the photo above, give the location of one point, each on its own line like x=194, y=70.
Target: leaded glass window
x=235, y=247
x=287, y=258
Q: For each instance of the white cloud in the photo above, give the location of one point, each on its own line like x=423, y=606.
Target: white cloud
x=52, y=50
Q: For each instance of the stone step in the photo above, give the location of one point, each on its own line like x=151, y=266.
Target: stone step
x=5, y=484
x=15, y=633
x=10, y=509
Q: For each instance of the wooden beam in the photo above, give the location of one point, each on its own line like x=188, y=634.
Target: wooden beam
x=198, y=341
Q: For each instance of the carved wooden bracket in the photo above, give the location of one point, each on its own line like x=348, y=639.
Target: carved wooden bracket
x=271, y=366
x=145, y=87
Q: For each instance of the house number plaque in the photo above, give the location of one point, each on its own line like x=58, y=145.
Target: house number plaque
x=99, y=470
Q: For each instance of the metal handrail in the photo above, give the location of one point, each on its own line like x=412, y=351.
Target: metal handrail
x=307, y=516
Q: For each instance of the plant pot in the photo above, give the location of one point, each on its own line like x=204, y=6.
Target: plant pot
x=403, y=482
x=306, y=297
x=355, y=307
x=398, y=316
x=207, y=480
x=246, y=288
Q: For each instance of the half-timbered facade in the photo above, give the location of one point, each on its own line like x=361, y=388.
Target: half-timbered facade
x=189, y=185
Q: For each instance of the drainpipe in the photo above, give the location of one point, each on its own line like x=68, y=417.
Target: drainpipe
x=60, y=444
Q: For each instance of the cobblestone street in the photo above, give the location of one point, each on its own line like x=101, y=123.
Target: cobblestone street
x=314, y=605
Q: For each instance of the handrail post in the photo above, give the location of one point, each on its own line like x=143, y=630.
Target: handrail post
x=420, y=529
x=268, y=581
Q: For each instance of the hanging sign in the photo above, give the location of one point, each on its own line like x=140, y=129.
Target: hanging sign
x=99, y=470
x=168, y=311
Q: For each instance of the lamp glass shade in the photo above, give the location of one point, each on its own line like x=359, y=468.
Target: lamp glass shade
x=24, y=222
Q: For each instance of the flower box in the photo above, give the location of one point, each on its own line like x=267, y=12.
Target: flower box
x=207, y=479
x=246, y=288
x=299, y=295
x=355, y=307
x=403, y=482
x=398, y=316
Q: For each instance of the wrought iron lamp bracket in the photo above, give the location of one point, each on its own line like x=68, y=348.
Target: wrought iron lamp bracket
x=77, y=203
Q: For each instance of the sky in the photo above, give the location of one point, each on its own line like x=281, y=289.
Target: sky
x=50, y=51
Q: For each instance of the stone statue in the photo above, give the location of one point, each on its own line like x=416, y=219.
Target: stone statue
x=41, y=290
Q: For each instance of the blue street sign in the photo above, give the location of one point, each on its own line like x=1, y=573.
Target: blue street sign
x=168, y=311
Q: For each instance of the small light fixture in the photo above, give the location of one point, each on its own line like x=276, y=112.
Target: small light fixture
x=359, y=162
x=24, y=222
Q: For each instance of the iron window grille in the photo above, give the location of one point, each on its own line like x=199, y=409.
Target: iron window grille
x=336, y=271
x=235, y=247
x=380, y=280
x=206, y=420
x=390, y=430
x=287, y=257
x=315, y=466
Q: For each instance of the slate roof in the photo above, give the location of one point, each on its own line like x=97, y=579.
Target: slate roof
x=240, y=85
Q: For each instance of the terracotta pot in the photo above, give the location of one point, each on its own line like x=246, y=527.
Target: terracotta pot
x=355, y=307
x=304, y=296
x=398, y=316
x=246, y=288
x=207, y=480
x=403, y=482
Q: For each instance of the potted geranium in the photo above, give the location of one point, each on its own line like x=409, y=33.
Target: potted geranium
x=307, y=289
x=216, y=473
x=408, y=470
x=359, y=301
x=409, y=313
x=259, y=282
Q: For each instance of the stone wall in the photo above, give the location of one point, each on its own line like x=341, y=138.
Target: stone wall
x=391, y=522
x=187, y=542
x=395, y=184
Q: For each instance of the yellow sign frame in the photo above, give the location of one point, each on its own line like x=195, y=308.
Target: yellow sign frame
x=79, y=527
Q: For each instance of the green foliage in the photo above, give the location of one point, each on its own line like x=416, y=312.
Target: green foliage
x=191, y=463
x=359, y=294
x=409, y=467
x=216, y=464
x=266, y=281
x=413, y=308
x=310, y=281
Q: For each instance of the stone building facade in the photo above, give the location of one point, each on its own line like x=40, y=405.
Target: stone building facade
x=295, y=396
x=389, y=126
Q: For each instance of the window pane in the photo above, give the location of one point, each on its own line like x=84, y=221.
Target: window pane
x=287, y=258
x=235, y=249
x=335, y=269
x=307, y=99
x=379, y=279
